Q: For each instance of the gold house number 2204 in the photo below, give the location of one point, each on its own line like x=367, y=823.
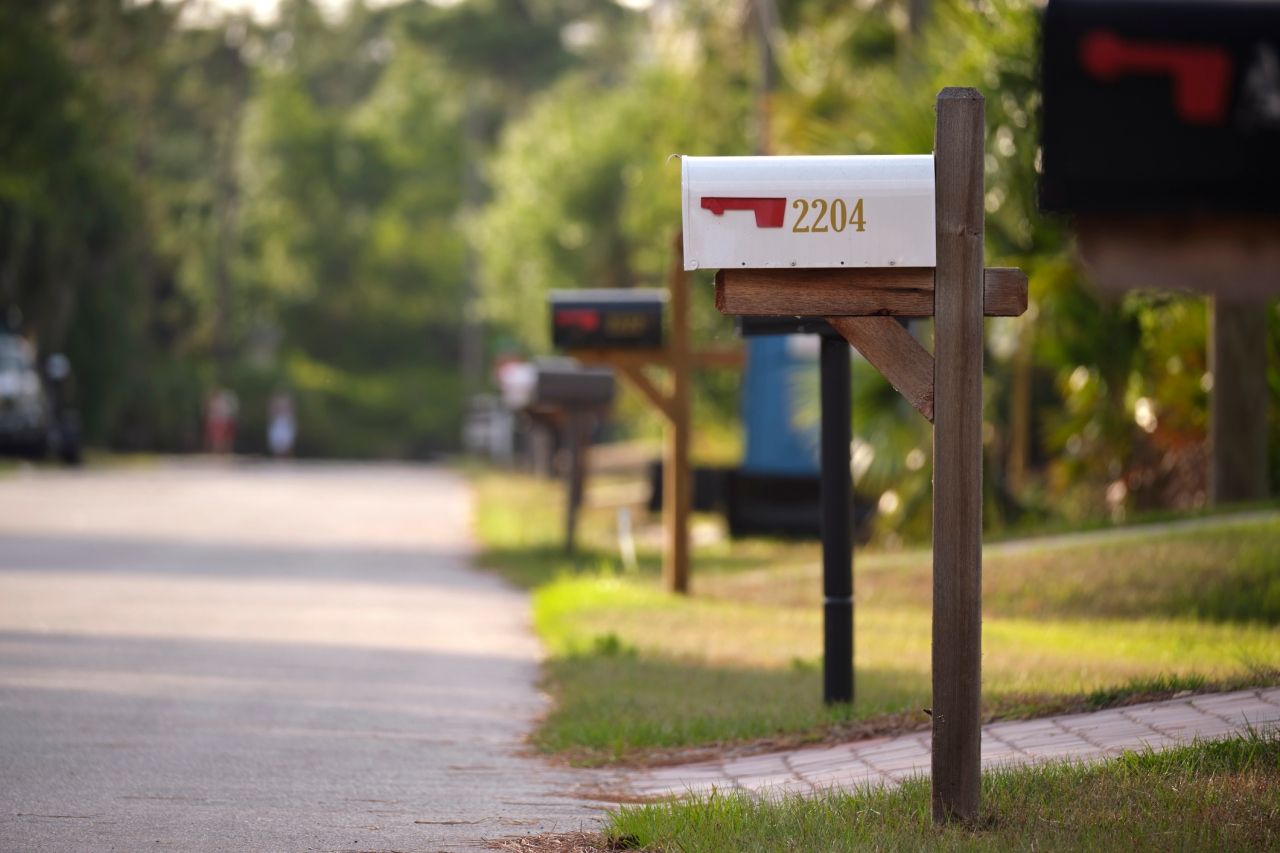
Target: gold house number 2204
x=833, y=215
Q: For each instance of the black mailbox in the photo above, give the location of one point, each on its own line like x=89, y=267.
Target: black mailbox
x=1160, y=106
x=607, y=319
x=573, y=387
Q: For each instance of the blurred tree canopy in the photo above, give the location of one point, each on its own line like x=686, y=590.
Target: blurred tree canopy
x=342, y=205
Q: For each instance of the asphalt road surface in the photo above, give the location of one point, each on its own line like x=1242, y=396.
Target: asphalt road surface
x=261, y=657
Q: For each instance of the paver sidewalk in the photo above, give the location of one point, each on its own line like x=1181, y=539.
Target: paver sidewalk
x=888, y=761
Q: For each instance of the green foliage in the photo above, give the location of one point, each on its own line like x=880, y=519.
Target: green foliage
x=236, y=205
x=101, y=228
x=353, y=252
x=73, y=259
x=332, y=204
x=586, y=193
x=555, y=221
x=517, y=44
x=1112, y=418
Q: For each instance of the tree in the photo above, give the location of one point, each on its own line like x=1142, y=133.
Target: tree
x=352, y=249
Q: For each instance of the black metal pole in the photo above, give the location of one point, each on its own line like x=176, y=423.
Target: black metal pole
x=837, y=538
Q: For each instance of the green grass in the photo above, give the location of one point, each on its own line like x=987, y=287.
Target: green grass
x=1037, y=527
x=1226, y=570
x=639, y=675
x=635, y=671
x=97, y=458
x=1222, y=795
x=93, y=458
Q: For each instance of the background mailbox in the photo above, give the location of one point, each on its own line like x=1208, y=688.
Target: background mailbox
x=758, y=212
x=556, y=382
x=573, y=387
x=614, y=319
x=1161, y=106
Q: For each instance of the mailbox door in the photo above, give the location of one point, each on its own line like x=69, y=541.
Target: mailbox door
x=761, y=212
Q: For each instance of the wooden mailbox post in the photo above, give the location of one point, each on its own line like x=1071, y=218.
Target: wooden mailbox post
x=861, y=288
x=631, y=359
x=570, y=399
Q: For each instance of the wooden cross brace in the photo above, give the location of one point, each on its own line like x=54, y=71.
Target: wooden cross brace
x=678, y=360
x=631, y=364
x=863, y=305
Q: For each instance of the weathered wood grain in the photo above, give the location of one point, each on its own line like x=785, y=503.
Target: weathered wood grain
x=677, y=486
x=898, y=356
x=1238, y=419
x=890, y=292
x=957, y=456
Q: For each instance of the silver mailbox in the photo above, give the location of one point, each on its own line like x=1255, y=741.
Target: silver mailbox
x=757, y=212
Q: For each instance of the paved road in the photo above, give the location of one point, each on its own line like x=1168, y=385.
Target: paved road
x=260, y=658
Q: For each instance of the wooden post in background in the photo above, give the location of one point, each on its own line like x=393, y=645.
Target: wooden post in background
x=678, y=360
x=677, y=479
x=1238, y=469
x=957, y=456
x=578, y=426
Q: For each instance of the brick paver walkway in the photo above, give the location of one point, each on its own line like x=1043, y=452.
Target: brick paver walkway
x=888, y=761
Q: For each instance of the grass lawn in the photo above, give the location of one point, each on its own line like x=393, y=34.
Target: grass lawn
x=1207, y=796
x=92, y=459
x=639, y=675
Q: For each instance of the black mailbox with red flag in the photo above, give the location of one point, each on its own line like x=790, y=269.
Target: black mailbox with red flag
x=1158, y=106
x=607, y=319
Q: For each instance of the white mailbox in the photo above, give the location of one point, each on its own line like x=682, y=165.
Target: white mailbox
x=872, y=211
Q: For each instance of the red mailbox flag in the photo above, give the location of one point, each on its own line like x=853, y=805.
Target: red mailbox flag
x=1201, y=74
x=769, y=211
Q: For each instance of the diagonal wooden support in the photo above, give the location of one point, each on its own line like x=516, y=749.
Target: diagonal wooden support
x=636, y=376
x=678, y=360
x=899, y=357
x=890, y=291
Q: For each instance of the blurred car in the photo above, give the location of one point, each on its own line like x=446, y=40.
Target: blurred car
x=34, y=418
